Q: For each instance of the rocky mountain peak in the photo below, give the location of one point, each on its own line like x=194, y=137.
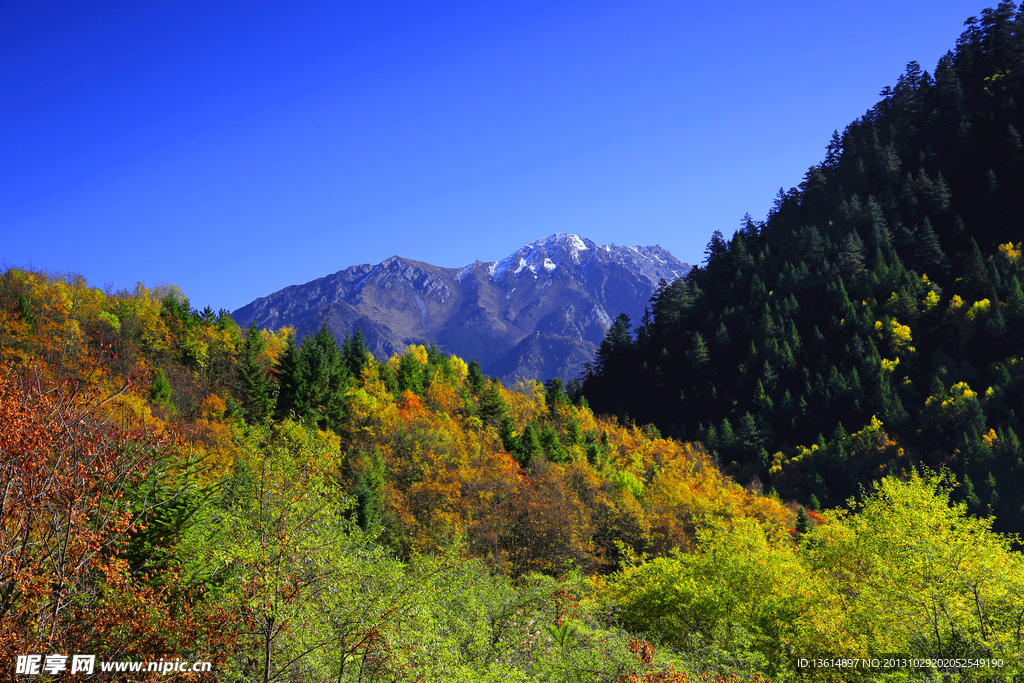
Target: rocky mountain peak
x=537, y=313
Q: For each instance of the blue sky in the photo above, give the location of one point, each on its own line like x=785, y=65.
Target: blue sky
x=233, y=149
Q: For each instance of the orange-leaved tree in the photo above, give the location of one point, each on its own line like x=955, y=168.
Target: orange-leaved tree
x=65, y=586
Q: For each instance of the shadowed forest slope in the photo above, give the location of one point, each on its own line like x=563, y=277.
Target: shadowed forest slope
x=885, y=288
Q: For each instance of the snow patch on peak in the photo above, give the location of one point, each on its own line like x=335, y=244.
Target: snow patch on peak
x=566, y=240
x=548, y=265
x=576, y=242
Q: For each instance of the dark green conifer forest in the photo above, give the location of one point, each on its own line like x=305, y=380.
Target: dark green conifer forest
x=886, y=287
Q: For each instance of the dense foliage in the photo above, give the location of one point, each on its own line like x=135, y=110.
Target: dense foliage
x=173, y=486
x=179, y=487
x=885, y=291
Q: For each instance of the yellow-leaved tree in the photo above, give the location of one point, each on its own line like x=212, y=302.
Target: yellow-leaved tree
x=919, y=576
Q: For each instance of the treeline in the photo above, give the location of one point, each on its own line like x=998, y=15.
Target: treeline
x=886, y=289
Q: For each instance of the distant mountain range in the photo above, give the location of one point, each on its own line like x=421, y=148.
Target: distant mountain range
x=538, y=313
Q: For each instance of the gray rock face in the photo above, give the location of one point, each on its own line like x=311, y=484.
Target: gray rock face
x=538, y=313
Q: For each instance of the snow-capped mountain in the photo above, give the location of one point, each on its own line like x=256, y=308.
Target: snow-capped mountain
x=535, y=314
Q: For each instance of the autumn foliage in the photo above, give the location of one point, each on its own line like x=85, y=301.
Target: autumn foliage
x=66, y=466
x=298, y=510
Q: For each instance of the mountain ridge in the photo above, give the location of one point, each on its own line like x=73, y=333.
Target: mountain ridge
x=562, y=290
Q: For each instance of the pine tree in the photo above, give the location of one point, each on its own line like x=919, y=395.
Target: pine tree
x=851, y=257
x=369, y=478
x=289, y=376
x=492, y=407
x=726, y=437
x=991, y=182
x=475, y=378
x=698, y=353
x=927, y=250
x=507, y=433
x=1014, y=147
x=803, y=522
x=528, y=446
x=552, y=446
x=554, y=395
x=722, y=336
x=355, y=353
x=258, y=390
x=410, y=374
x=975, y=277
x=747, y=435
x=324, y=376
x=25, y=312
x=1015, y=300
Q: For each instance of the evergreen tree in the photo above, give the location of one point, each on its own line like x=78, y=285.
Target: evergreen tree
x=927, y=250
x=323, y=380
x=975, y=276
x=528, y=446
x=258, y=390
x=160, y=391
x=289, y=376
x=492, y=407
x=803, y=522
x=833, y=257
x=698, y=353
x=507, y=434
x=552, y=446
x=355, y=353
x=475, y=378
x=369, y=478
x=410, y=374
x=1015, y=300
x=851, y=257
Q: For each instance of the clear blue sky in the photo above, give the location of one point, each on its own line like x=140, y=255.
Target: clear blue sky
x=236, y=148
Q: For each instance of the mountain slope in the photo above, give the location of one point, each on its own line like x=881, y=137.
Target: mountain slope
x=886, y=288
x=537, y=313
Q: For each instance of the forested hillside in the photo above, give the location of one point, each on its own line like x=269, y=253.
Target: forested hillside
x=885, y=289
x=179, y=488
x=176, y=487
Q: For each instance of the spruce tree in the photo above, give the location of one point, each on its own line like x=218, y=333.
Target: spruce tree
x=975, y=277
x=410, y=374
x=324, y=377
x=475, y=378
x=927, y=250
x=492, y=407
x=258, y=390
x=528, y=446
x=698, y=353
x=355, y=353
x=803, y=522
x=289, y=376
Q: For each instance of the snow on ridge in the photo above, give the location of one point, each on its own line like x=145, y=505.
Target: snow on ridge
x=564, y=249
x=576, y=242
